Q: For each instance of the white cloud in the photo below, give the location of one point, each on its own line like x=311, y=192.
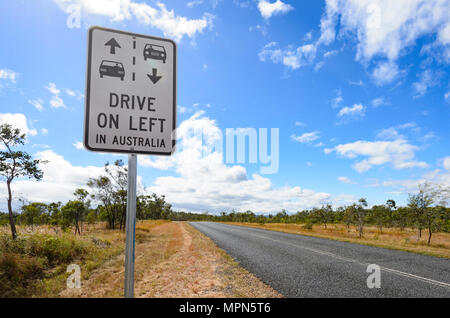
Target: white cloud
x=44, y=131
x=300, y=124
x=392, y=133
x=306, y=137
x=259, y=28
x=158, y=17
x=41, y=146
x=205, y=183
x=292, y=58
x=194, y=3
x=358, y=83
x=388, y=134
x=57, y=102
x=384, y=30
x=60, y=179
x=336, y=102
x=319, y=65
x=308, y=36
x=385, y=73
x=379, y=101
x=330, y=53
x=383, y=27
x=447, y=96
x=437, y=176
x=52, y=89
x=446, y=163
x=358, y=110
x=8, y=75
x=346, y=180
x=18, y=121
x=319, y=144
x=78, y=144
x=268, y=9
x=399, y=153
x=70, y=92
x=427, y=79
x=37, y=103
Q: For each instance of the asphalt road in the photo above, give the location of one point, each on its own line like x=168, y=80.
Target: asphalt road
x=302, y=266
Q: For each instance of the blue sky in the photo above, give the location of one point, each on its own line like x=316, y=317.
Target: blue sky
x=359, y=91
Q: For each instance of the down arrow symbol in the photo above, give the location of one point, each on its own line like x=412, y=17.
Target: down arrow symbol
x=154, y=78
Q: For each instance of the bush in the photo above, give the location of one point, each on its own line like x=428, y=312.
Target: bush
x=17, y=272
x=55, y=250
x=308, y=226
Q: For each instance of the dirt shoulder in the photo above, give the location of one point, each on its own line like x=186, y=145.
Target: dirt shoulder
x=174, y=260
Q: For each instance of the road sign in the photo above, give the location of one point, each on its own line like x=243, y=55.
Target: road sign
x=130, y=93
x=130, y=107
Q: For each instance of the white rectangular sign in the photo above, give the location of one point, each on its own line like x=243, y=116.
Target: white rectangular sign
x=130, y=93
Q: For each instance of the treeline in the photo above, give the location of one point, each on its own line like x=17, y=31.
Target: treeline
x=107, y=192
x=75, y=213
x=382, y=216
x=425, y=210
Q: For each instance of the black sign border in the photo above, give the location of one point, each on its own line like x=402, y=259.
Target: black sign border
x=88, y=94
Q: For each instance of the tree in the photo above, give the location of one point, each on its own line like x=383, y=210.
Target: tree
x=73, y=212
x=322, y=215
x=35, y=213
x=400, y=217
x=380, y=215
x=428, y=216
x=417, y=206
x=91, y=217
x=361, y=215
x=15, y=164
x=111, y=191
x=349, y=215
x=83, y=196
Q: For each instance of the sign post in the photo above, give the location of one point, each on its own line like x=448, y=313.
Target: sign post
x=130, y=226
x=130, y=107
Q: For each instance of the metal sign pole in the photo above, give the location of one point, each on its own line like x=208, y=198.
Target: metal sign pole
x=130, y=226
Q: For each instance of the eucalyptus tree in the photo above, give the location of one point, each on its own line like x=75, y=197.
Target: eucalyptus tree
x=16, y=163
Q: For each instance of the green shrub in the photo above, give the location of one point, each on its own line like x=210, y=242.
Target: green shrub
x=17, y=274
x=56, y=250
x=308, y=226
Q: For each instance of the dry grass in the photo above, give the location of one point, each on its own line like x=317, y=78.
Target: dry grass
x=174, y=260
x=392, y=238
x=95, y=246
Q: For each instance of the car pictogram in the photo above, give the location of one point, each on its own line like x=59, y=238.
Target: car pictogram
x=112, y=69
x=156, y=52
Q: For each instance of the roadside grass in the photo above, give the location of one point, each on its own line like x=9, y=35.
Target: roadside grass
x=35, y=264
x=391, y=238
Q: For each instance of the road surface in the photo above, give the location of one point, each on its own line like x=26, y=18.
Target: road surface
x=302, y=266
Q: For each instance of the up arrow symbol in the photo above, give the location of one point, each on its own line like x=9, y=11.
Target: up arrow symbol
x=112, y=44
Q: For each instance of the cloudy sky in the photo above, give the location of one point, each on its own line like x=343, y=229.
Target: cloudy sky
x=358, y=89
